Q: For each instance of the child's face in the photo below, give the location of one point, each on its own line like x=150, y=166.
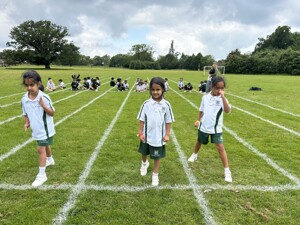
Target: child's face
x=218, y=88
x=31, y=87
x=156, y=92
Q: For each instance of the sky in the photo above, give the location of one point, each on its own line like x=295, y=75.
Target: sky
x=100, y=27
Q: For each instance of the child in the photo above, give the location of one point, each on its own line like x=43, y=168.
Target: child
x=166, y=84
x=210, y=122
x=50, y=85
x=155, y=118
x=180, y=84
x=38, y=112
x=61, y=84
x=188, y=87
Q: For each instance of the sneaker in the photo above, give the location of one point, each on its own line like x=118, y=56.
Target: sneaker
x=193, y=157
x=144, y=168
x=39, y=180
x=155, y=180
x=50, y=162
x=228, y=177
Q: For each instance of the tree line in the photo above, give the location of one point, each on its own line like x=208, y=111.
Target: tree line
x=44, y=43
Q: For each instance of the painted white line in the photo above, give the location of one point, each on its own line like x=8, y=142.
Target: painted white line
x=250, y=147
x=18, y=147
x=3, y=106
x=126, y=188
x=208, y=215
x=265, y=105
x=63, y=212
x=11, y=95
x=15, y=117
x=268, y=121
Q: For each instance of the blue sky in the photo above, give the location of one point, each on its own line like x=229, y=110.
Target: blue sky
x=110, y=27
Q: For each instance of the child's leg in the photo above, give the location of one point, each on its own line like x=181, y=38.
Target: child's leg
x=144, y=158
x=223, y=154
x=156, y=166
x=48, y=151
x=42, y=155
x=197, y=147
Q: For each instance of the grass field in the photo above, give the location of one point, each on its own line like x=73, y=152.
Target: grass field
x=96, y=177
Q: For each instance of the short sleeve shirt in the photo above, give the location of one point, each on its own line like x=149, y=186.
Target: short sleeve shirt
x=41, y=123
x=212, y=118
x=155, y=115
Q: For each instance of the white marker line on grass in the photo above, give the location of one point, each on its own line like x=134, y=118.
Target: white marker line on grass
x=15, y=117
x=208, y=215
x=271, y=107
x=268, y=121
x=11, y=95
x=18, y=147
x=3, y=106
x=250, y=147
x=263, y=156
x=125, y=188
x=63, y=212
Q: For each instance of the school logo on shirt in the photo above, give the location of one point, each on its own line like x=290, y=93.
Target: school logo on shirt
x=156, y=153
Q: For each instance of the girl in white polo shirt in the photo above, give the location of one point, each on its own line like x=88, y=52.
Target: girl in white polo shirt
x=38, y=112
x=210, y=122
x=155, y=118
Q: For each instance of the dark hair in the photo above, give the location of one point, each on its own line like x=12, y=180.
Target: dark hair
x=157, y=80
x=33, y=75
x=60, y=80
x=216, y=80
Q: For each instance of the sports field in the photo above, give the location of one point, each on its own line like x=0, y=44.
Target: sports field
x=96, y=178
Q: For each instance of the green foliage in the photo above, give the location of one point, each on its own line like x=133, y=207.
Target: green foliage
x=41, y=42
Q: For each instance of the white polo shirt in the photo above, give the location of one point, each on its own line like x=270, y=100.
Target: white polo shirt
x=41, y=123
x=212, y=118
x=155, y=115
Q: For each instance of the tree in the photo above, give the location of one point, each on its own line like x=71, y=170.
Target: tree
x=41, y=41
x=141, y=52
x=282, y=38
x=69, y=55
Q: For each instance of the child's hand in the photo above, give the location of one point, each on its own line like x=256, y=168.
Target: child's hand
x=42, y=103
x=141, y=136
x=222, y=92
x=197, y=122
x=26, y=125
x=166, y=138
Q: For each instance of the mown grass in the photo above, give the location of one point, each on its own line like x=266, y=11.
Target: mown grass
x=126, y=197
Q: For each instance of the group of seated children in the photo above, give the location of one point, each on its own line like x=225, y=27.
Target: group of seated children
x=51, y=86
x=182, y=86
x=88, y=83
x=121, y=86
x=141, y=85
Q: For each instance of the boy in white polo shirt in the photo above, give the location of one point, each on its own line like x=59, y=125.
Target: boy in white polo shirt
x=210, y=122
x=155, y=118
x=38, y=112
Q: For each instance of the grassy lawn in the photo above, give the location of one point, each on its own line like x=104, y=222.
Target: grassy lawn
x=96, y=177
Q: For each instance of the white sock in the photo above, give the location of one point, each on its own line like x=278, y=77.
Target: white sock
x=144, y=163
x=155, y=174
x=42, y=170
x=226, y=169
x=50, y=158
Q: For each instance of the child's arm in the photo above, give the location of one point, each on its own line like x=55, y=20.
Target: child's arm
x=168, y=131
x=225, y=103
x=140, y=133
x=48, y=110
x=27, y=123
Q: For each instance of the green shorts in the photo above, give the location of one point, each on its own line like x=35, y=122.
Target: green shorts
x=214, y=138
x=154, y=152
x=46, y=142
